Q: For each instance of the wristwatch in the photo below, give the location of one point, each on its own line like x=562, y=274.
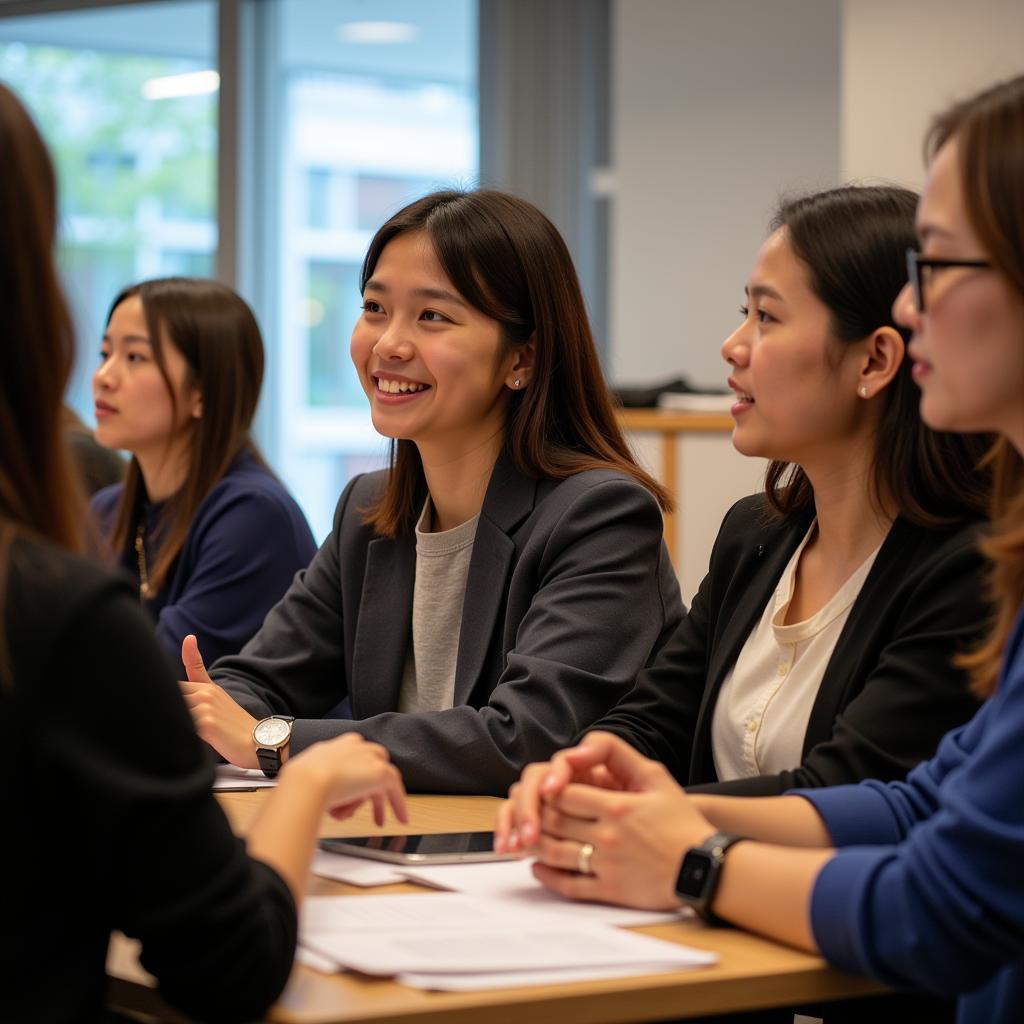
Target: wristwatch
x=271, y=736
x=700, y=872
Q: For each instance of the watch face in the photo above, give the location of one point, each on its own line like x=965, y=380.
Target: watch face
x=272, y=732
x=693, y=875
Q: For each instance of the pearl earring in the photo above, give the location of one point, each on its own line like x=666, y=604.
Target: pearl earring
x=863, y=391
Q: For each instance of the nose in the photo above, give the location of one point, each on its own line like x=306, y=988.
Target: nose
x=904, y=309
x=393, y=345
x=104, y=377
x=736, y=348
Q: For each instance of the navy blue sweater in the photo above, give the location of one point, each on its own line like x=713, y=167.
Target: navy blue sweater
x=246, y=543
x=927, y=890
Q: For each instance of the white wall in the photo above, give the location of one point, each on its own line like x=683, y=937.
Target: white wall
x=905, y=60
x=718, y=106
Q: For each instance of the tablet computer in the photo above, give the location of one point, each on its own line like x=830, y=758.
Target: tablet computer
x=439, y=848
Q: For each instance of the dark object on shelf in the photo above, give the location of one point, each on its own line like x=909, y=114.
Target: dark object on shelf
x=647, y=397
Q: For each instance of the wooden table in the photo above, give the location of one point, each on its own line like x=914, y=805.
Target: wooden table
x=751, y=972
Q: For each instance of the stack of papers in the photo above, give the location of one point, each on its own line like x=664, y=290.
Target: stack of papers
x=502, y=929
x=228, y=776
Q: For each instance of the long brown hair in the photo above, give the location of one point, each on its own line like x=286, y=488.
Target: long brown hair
x=218, y=336
x=852, y=242
x=39, y=493
x=989, y=131
x=506, y=259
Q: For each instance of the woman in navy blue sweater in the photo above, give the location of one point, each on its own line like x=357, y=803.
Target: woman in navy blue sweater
x=210, y=535
x=917, y=883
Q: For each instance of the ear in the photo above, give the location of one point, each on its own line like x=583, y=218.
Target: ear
x=520, y=370
x=883, y=356
x=196, y=408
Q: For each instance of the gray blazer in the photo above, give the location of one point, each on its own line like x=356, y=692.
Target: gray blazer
x=570, y=593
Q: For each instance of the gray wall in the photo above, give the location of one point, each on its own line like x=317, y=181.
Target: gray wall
x=720, y=106
x=717, y=107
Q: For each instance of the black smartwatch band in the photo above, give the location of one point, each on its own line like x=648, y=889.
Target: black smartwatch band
x=701, y=871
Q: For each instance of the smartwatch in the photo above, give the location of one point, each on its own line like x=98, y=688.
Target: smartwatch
x=271, y=736
x=700, y=873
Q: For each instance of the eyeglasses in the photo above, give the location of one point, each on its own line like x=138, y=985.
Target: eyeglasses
x=917, y=267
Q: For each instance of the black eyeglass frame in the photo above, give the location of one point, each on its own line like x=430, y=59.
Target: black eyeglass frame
x=915, y=264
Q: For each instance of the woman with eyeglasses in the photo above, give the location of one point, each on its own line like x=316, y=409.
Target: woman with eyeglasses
x=110, y=822
x=917, y=883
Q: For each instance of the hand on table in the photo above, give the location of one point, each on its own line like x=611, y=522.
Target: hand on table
x=518, y=825
x=221, y=722
x=619, y=841
x=356, y=770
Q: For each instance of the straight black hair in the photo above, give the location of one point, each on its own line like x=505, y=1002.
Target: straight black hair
x=852, y=242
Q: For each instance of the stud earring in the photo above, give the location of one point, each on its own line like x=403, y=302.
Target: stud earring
x=863, y=391
x=516, y=382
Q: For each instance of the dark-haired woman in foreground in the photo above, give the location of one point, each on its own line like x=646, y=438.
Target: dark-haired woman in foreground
x=916, y=883
x=110, y=822
x=498, y=588
x=210, y=535
x=819, y=647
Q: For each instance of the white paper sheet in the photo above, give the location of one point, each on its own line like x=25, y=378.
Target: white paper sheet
x=355, y=870
x=513, y=880
x=517, y=979
x=508, y=946
x=229, y=776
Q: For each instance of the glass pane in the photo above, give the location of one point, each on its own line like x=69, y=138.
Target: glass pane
x=378, y=105
x=126, y=98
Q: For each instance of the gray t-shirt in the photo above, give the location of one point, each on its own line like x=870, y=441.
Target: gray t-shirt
x=442, y=566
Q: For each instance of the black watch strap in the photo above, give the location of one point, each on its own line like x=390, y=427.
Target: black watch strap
x=701, y=871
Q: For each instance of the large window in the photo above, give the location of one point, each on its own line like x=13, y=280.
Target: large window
x=373, y=113
x=126, y=98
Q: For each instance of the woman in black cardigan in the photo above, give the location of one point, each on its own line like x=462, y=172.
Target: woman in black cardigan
x=869, y=520
x=106, y=792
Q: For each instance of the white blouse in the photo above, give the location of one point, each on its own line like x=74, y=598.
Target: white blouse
x=760, y=717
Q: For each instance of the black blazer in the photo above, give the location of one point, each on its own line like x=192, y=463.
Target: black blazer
x=889, y=692
x=570, y=594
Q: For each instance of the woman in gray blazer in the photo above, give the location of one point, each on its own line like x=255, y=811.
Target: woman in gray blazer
x=499, y=586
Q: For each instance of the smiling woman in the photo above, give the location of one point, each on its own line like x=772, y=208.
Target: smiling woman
x=501, y=584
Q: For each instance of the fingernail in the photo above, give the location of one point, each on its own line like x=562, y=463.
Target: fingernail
x=528, y=832
x=549, y=782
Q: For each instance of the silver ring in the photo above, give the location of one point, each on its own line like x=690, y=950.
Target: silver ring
x=583, y=859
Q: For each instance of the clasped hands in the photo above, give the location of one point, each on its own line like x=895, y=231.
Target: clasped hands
x=627, y=808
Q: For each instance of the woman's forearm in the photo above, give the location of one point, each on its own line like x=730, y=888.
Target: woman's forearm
x=285, y=830
x=767, y=889
x=785, y=820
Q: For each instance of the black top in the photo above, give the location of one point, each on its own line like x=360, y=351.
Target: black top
x=890, y=691
x=109, y=819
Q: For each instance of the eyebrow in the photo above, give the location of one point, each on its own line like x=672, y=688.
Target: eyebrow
x=763, y=291
x=421, y=293
x=128, y=338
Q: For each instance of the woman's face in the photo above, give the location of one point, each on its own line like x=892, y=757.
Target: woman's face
x=433, y=367
x=796, y=389
x=133, y=406
x=968, y=344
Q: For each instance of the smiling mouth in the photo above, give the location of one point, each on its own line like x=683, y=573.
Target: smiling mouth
x=399, y=387
x=742, y=396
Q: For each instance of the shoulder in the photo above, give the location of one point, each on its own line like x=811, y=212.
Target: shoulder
x=249, y=493
x=48, y=588
x=605, y=486
x=929, y=549
x=105, y=502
